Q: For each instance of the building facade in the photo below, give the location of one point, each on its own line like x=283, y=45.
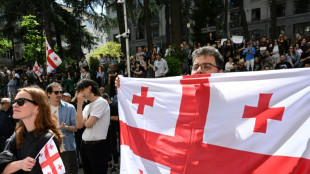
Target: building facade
x=292, y=18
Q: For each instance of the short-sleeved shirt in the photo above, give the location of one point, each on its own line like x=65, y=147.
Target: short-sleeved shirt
x=100, y=109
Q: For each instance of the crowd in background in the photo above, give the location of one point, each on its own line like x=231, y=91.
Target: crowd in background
x=281, y=53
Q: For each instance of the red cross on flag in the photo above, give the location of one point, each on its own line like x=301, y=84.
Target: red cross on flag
x=37, y=69
x=50, y=160
x=52, y=59
x=247, y=122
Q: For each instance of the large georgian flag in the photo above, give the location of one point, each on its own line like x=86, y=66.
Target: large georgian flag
x=50, y=160
x=236, y=123
x=52, y=59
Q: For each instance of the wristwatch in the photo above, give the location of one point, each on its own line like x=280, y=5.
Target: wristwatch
x=67, y=128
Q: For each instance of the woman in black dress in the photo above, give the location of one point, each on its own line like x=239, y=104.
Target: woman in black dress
x=35, y=128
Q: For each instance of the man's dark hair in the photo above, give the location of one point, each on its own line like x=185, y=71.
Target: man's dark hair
x=85, y=67
x=209, y=51
x=85, y=83
x=49, y=88
x=158, y=54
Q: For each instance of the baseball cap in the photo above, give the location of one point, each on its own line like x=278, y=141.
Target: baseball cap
x=66, y=94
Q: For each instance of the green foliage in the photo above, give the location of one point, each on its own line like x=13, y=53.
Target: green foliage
x=5, y=44
x=109, y=48
x=32, y=49
x=136, y=10
x=68, y=65
x=93, y=66
x=175, y=66
x=178, y=53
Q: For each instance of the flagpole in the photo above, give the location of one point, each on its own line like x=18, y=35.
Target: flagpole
x=43, y=147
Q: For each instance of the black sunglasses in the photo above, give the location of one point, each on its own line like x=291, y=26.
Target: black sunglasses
x=57, y=92
x=21, y=101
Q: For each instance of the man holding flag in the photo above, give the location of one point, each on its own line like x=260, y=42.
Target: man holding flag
x=216, y=123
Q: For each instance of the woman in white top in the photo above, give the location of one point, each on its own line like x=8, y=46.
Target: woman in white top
x=275, y=51
x=229, y=65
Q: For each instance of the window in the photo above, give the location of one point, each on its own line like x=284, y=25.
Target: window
x=8, y=54
x=301, y=6
x=155, y=32
x=280, y=10
x=155, y=19
x=302, y=28
x=255, y=14
x=235, y=20
x=139, y=34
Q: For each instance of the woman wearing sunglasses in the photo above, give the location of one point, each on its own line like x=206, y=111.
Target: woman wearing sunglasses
x=36, y=127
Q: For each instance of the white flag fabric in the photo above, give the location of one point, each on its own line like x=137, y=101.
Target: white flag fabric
x=237, y=39
x=50, y=160
x=37, y=69
x=52, y=59
x=246, y=122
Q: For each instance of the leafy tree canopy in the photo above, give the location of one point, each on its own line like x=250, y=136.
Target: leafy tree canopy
x=109, y=48
x=32, y=49
x=5, y=44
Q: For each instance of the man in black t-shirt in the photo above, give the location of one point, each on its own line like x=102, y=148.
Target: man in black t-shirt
x=283, y=64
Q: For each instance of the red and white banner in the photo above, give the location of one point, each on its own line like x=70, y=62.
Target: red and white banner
x=50, y=160
x=37, y=69
x=241, y=123
x=52, y=59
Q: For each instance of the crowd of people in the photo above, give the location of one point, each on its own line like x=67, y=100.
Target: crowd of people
x=87, y=115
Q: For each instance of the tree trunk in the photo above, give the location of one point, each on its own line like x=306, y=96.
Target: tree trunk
x=187, y=4
x=47, y=21
x=167, y=16
x=243, y=19
x=147, y=22
x=226, y=19
x=58, y=41
x=176, y=25
x=273, y=8
x=121, y=24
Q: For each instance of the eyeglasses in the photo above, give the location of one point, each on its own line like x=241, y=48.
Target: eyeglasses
x=204, y=66
x=3, y=103
x=21, y=101
x=57, y=92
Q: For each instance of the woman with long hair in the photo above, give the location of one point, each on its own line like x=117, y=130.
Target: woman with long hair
x=36, y=127
x=292, y=57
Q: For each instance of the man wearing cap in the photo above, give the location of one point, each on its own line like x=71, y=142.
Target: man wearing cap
x=65, y=115
x=66, y=97
x=7, y=122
